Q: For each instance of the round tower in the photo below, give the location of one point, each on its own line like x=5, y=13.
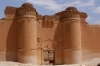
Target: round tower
x=27, y=34
x=71, y=20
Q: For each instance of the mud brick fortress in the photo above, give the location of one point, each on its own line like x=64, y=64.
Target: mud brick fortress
x=62, y=38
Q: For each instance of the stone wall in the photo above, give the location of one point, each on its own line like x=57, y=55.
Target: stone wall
x=25, y=35
x=90, y=41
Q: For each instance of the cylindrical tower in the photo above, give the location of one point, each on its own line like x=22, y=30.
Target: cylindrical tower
x=71, y=35
x=27, y=34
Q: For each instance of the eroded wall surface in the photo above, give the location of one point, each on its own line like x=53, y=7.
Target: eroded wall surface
x=26, y=36
x=90, y=41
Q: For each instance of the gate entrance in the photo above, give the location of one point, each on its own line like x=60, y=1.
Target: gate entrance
x=48, y=57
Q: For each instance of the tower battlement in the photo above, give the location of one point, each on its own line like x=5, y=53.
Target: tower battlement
x=62, y=38
x=71, y=13
x=27, y=10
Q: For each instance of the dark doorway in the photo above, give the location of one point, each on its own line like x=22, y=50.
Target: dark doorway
x=48, y=57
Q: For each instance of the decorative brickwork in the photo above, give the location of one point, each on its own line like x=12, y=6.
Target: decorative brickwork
x=62, y=38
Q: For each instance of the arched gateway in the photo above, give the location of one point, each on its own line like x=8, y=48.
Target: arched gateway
x=48, y=53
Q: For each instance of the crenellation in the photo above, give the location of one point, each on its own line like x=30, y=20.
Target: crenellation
x=72, y=13
x=70, y=16
x=27, y=14
x=51, y=18
x=62, y=38
x=27, y=10
x=49, y=21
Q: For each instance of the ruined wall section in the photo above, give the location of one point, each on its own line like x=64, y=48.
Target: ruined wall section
x=90, y=41
x=8, y=41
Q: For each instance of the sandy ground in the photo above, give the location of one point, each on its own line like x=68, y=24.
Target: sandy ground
x=92, y=62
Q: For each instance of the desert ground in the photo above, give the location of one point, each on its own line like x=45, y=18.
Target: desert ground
x=93, y=62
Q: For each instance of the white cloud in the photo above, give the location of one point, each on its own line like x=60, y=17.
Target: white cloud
x=79, y=3
x=97, y=22
x=85, y=4
x=48, y=4
x=53, y=5
x=97, y=10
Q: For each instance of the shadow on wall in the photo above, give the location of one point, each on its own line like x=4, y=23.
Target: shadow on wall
x=59, y=45
x=11, y=41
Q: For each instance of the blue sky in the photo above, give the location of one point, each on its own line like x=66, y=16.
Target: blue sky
x=50, y=7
